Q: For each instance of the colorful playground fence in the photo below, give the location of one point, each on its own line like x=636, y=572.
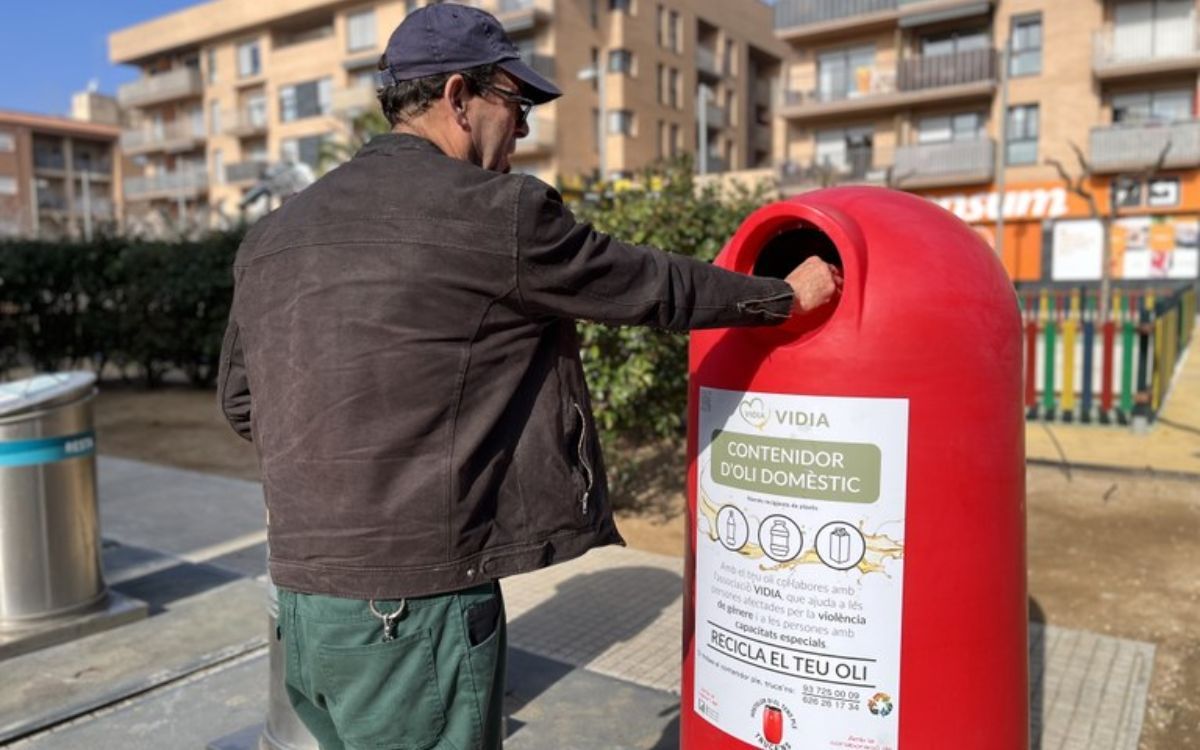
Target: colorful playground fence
x=1080, y=367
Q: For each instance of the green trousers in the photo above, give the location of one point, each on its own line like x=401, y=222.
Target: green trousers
x=436, y=683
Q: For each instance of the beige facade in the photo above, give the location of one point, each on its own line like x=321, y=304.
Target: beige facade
x=228, y=86
x=58, y=177
x=914, y=94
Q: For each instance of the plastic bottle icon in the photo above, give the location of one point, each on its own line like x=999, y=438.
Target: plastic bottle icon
x=780, y=538
x=731, y=531
x=839, y=546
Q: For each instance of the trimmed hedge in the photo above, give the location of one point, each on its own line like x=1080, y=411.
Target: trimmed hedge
x=156, y=306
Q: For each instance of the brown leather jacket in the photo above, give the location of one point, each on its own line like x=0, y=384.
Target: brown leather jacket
x=402, y=351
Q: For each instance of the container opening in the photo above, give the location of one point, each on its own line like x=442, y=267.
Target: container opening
x=790, y=248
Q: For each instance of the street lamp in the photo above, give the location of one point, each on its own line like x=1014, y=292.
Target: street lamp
x=596, y=73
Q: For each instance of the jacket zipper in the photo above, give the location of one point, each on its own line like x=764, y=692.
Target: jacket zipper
x=587, y=469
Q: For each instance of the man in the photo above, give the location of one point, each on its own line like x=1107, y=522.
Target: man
x=402, y=351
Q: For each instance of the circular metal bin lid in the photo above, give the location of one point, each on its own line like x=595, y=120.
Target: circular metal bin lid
x=44, y=391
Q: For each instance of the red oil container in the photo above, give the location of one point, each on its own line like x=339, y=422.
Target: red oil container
x=856, y=487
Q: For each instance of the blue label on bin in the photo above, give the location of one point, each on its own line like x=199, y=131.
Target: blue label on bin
x=47, y=450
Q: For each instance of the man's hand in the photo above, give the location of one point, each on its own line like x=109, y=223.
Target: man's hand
x=815, y=283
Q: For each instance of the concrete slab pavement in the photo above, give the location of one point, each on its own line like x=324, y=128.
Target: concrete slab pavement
x=595, y=658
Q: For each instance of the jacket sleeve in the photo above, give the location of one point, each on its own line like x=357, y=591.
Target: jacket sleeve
x=233, y=385
x=567, y=269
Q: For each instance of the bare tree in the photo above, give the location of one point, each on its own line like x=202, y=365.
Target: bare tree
x=1080, y=185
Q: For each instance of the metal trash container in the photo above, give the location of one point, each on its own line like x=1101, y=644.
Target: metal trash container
x=49, y=519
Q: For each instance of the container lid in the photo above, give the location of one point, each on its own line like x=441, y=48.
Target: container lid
x=44, y=391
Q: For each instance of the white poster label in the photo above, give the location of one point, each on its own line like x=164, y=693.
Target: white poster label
x=800, y=569
x=1078, y=250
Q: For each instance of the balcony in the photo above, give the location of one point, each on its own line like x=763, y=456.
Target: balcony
x=181, y=135
x=713, y=165
x=181, y=83
x=1138, y=146
x=169, y=185
x=706, y=63
x=247, y=122
x=354, y=101
x=245, y=171
x=915, y=80
x=48, y=201
x=714, y=117
x=517, y=16
x=1150, y=50
x=540, y=140
x=803, y=20
x=49, y=161
x=861, y=165
x=943, y=164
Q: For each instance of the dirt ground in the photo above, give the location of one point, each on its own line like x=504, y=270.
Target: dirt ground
x=1114, y=553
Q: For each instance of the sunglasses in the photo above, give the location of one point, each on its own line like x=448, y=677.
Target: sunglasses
x=524, y=105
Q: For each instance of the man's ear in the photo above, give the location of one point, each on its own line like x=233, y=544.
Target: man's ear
x=456, y=94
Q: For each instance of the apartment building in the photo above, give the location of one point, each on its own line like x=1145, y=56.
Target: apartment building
x=229, y=86
x=58, y=176
x=978, y=103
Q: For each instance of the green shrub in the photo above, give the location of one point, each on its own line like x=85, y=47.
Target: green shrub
x=638, y=376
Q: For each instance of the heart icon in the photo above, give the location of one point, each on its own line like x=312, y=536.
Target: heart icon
x=754, y=411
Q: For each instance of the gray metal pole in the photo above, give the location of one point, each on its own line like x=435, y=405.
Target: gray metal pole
x=702, y=123
x=1001, y=145
x=87, y=206
x=602, y=93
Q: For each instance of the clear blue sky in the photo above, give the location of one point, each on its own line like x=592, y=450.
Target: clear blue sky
x=50, y=49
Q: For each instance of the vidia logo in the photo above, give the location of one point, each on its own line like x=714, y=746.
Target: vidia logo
x=775, y=723
x=754, y=412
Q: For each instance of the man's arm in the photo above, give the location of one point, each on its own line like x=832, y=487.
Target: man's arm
x=568, y=269
x=233, y=385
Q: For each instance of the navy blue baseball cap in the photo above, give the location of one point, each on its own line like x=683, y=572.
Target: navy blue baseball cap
x=449, y=38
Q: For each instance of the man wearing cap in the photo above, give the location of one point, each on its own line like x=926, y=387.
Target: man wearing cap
x=402, y=351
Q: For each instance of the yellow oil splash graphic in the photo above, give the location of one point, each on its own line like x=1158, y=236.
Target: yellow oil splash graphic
x=879, y=547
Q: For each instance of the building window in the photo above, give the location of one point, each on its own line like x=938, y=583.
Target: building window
x=1026, y=52
x=622, y=6
x=967, y=126
x=214, y=118
x=620, y=61
x=730, y=56
x=730, y=107
x=846, y=151
x=845, y=73
x=366, y=79
x=660, y=25
x=620, y=122
x=1173, y=105
x=660, y=148
x=218, y=166
x=256, y=110
x=594, y=13
x=662, y=83
x=674, y=35
x=673, y=91
x=309, y=99
x=360, y=30
x=8, y=185
x=1021, y=146
x=409, y=6
x=8, y=143
x=249, y=60
x=955, y=42
x=305, y=150
x=596, y=67
x=210, y=63
x=676, y=141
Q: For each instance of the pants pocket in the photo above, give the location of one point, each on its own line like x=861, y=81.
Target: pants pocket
x=385, y=695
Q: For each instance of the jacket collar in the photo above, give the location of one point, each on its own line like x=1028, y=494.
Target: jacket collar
x=393, y=143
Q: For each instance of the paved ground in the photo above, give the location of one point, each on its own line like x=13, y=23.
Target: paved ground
x=196, y=671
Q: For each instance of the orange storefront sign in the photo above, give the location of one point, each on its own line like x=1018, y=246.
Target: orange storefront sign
x=1027, y=206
